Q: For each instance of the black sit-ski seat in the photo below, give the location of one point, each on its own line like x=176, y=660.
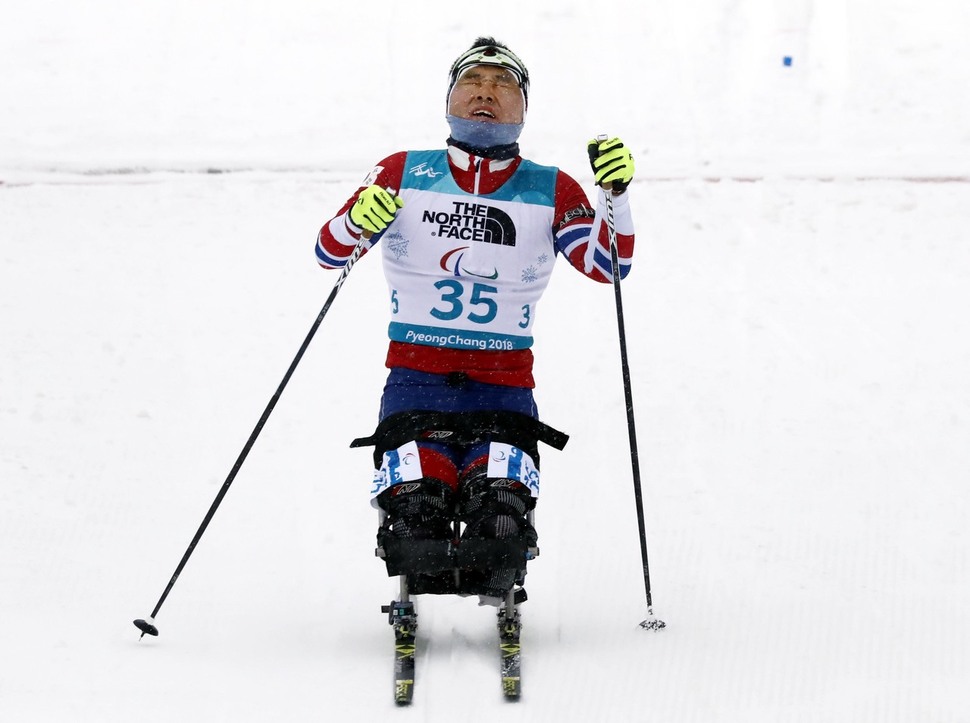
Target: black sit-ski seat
x=476, y=542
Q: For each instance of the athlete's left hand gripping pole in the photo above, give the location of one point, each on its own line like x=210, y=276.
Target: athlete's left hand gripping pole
x=148, y=625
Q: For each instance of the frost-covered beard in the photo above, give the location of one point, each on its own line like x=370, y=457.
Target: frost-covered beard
x=480, y=134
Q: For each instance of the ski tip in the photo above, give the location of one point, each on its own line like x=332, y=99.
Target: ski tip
x=403, y=692
x=147, y=627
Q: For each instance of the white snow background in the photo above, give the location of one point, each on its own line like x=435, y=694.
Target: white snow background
x=799, y=340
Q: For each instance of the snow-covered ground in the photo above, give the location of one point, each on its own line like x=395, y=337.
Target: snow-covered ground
x=799, y=343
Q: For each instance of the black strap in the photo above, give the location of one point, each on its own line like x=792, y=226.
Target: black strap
x=461, y=428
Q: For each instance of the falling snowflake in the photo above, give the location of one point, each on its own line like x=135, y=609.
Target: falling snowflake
x=397, y=244
x=530, y=274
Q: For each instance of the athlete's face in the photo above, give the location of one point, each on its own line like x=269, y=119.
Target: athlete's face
x=487, y=93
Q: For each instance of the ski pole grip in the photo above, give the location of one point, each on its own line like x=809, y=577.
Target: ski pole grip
x=365, y=234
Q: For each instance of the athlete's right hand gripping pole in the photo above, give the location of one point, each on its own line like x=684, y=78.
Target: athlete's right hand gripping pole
x=601, y=170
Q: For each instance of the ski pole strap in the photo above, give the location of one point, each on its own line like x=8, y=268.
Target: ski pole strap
x=461, y=428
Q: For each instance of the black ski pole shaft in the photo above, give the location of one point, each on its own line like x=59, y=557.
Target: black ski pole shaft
x=650, y=623
x=148, y=625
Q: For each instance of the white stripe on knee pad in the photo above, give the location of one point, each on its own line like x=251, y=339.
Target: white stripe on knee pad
x=506, y=461
x=399, y=465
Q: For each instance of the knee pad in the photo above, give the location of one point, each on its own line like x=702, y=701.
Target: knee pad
x=409, y=465
x=495, y=493
x=415, y=487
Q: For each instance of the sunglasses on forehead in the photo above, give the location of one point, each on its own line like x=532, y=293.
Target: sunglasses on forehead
x=491, y=55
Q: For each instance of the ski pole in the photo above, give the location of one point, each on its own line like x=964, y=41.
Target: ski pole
x=651, y=623
x=147, y=625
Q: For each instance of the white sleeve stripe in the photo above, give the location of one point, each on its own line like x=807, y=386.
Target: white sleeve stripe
x=339, y=230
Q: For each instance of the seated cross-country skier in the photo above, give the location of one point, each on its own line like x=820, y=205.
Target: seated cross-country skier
x=469, y=235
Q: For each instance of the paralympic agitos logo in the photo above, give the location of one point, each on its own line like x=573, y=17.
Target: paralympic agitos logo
x=473, y=222
x=452, y=263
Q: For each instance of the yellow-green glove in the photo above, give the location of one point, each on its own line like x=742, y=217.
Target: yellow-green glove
x=612, y=163
x=374, y=209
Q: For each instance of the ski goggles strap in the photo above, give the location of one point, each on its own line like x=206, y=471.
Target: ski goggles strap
x=491, y=55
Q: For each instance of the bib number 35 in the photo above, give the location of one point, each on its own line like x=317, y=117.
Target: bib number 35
x=482, y=308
